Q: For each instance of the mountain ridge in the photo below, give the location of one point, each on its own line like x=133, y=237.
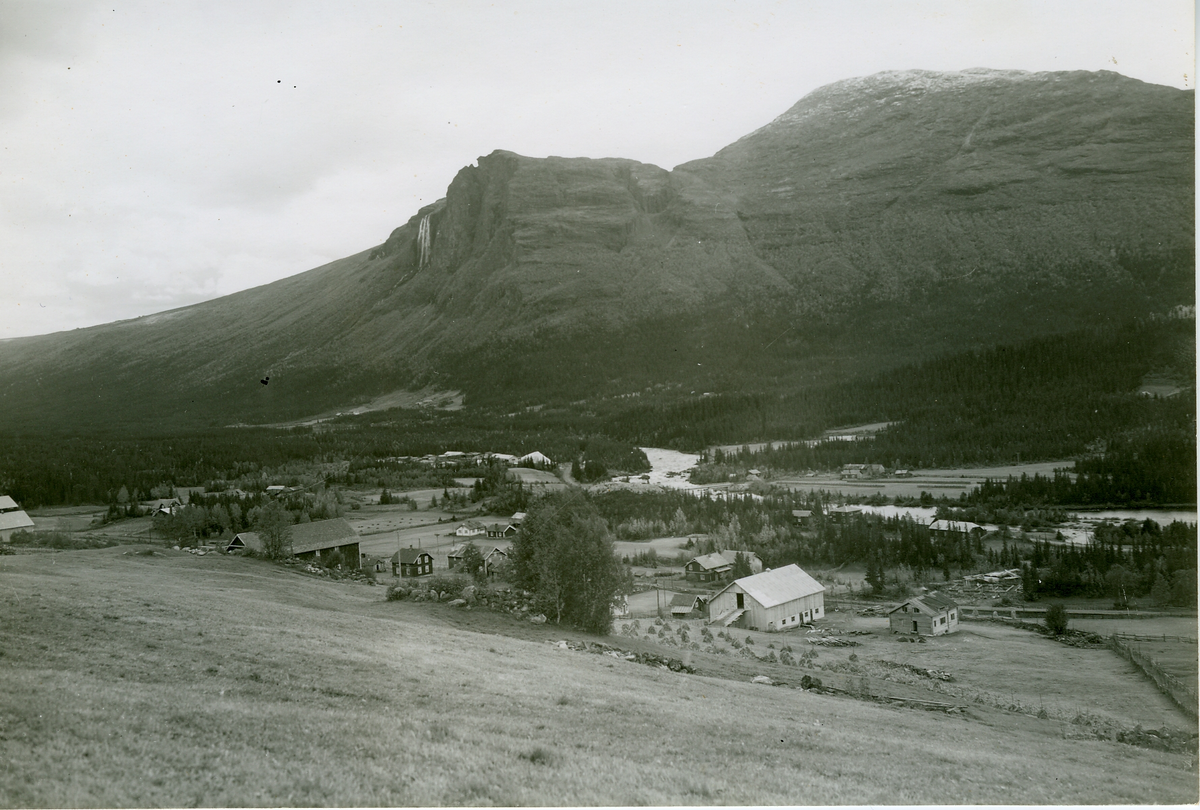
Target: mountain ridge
x=878, y=219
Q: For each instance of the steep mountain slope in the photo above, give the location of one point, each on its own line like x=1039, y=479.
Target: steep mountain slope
x=1046, y=189
x=878, y=220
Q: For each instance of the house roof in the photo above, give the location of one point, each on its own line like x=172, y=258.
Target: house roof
x=408, y=556
x=322, y=534
x=536, y=457
x=801, y=513
x=15, y=520
x=730, y=555
x=712, y=562
x=7, y=503
x=771, y=588
x=931, y=602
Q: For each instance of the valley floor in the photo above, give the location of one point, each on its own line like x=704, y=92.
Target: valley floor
x=138, y=676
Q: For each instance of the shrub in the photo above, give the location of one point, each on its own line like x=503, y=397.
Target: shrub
x=539, y=756
x=1056, y=619
x=398, y=591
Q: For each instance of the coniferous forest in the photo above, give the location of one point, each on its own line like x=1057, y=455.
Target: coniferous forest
x=1071, y=396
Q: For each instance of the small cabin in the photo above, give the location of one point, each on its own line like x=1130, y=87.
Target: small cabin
x=927, y=615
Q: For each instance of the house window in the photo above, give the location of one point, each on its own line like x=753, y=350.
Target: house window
x=951, y=617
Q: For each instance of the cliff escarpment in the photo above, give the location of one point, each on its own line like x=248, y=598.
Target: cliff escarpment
x=877, y=221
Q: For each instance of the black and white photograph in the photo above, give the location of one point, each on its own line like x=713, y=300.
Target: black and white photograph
x=598, y=404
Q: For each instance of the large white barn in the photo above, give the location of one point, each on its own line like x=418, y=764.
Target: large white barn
x=773, y=600
x=12, y=519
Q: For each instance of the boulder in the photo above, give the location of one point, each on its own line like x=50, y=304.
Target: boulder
x=457, y=602
x=538, y=619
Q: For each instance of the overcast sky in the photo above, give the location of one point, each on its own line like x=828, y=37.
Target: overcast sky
x=163, y=153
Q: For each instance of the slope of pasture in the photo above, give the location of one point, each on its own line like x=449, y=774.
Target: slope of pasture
x=142, y=677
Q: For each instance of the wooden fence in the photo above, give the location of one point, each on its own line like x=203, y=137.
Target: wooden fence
x=1148, y=639
x=1180, y=693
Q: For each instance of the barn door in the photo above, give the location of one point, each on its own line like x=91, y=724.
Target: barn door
x=914, y=625
x=741, y=600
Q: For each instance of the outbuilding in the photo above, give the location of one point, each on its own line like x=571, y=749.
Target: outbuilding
x=686, y=606
x=245, y=541
x=774, y=600
x=928, y=615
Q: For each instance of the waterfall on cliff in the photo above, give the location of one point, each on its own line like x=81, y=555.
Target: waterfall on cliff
x=423, y=242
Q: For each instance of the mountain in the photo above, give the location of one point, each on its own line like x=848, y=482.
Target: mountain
x=879, y=220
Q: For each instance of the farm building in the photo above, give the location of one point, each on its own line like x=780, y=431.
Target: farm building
x=517, y=519
x=412, y=562
x=773, y=600
x=838, y=514
x=946, y=529
x=535, y=459
x=927, y=615
x=803, y=517
x=321, y=538
x=707, y=568
x=501, y=530
x=245, y=541
x=377, y=564
x=719, y=565
x=686, y=606
x=492, y=556
x=162, y=506
x=12, y=519
x=472, y=528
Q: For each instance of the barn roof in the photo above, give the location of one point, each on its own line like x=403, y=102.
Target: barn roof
x=771, y=588
x=15, y=520
x=7, y=503
x=321, y=534
x=249, y=540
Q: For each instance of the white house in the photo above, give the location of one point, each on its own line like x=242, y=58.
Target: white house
x=773, y=600
x=471, y=528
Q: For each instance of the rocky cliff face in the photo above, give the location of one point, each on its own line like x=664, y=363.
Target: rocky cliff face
x=878, y=220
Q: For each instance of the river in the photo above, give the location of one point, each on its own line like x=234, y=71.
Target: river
x=669, y=468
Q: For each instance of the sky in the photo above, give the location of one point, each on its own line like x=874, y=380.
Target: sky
x=158, y=154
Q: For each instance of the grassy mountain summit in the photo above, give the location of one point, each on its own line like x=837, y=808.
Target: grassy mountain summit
x=878, y=220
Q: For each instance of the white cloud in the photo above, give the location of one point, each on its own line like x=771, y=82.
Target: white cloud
x=157, y=155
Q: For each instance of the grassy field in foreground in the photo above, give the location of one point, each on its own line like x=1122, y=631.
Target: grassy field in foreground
x=169, y=680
